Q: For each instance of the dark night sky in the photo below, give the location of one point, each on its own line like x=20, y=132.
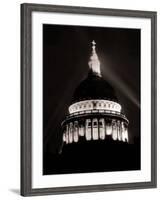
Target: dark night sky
x=66, y=51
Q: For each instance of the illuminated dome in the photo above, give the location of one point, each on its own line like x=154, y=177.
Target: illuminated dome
x=95, y=112
x=94, y=87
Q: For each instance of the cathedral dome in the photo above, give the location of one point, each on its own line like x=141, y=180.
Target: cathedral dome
x=94, y=87
x=95, y=113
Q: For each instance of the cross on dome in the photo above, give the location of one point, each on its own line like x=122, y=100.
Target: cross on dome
x=93, y=45
x=94, y=63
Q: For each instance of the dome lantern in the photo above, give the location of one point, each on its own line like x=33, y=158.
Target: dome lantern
x=94, y=63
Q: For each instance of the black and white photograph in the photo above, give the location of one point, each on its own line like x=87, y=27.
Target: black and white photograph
x=91, y=99
x=88, y=99
x=79, y=100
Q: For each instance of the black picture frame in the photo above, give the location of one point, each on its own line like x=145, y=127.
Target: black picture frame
x=26, y=98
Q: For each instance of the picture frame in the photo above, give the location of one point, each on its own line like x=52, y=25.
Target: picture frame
x=28, y=87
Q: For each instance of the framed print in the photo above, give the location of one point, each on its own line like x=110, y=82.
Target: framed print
x=88, y=99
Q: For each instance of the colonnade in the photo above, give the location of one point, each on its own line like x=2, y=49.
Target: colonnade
x=95, y=129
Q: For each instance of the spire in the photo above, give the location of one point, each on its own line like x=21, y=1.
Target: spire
x=94, y=63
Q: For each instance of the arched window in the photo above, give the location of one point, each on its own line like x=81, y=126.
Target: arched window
x=75, y=134
x=95, y=129
x=81, y=130
x=109, y=128
x=71, y=133
x=88, y=129
x=102, y=128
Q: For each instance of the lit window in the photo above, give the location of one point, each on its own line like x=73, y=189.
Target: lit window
x=102, y=129
x=95, y=129
x=108, y=129
x=88, y=129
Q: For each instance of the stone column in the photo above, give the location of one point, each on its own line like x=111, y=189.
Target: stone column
x=114, y=130
x=67, y=134
x=71, y=132
x=95, y=129
x=75, y=134
x=101, y=128
x=88, y=129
